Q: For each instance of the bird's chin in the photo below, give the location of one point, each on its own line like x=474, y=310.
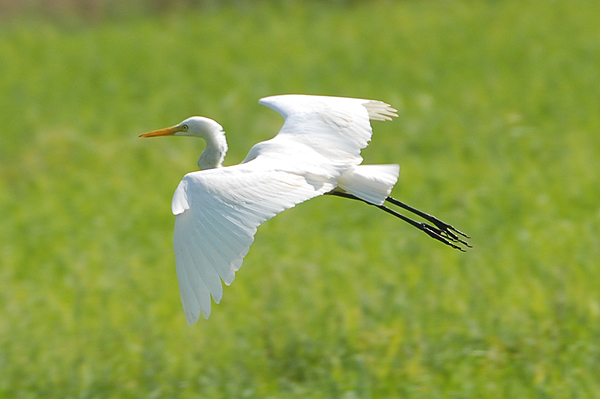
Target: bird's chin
x=186, y=134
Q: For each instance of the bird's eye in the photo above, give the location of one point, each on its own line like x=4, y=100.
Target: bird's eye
x=184, y=128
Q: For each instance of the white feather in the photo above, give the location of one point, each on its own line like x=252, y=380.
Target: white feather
x=372, y=183
x=218, y=210
x=226, y=205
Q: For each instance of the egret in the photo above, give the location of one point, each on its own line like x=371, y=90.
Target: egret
x=316, y=152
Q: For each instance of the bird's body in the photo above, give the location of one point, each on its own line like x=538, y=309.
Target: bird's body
x=317, y=151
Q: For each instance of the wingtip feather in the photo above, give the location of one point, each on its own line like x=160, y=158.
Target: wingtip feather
x=380, y=111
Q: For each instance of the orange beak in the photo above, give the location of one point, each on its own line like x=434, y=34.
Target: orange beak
x=162, y=132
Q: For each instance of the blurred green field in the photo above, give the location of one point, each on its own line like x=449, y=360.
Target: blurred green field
x=499, y=105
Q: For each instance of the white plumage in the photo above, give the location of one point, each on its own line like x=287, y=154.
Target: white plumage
x=218, y=209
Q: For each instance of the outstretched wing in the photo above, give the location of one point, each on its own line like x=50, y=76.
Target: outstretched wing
x=321, y=135
x=218, y=211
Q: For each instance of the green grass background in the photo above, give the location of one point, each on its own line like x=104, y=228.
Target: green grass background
x=499, y=105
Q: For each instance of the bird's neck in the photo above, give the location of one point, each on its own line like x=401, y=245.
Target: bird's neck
x=214, y=153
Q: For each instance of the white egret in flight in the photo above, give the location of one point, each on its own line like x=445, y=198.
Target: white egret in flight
x=317, y=151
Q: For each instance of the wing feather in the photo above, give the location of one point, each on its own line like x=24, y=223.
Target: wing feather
x=224, y=208
x=210, y=275
x=229, y=245
x=320, y=135
x=195, y=290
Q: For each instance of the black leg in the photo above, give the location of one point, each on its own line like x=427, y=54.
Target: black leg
x=441, y=231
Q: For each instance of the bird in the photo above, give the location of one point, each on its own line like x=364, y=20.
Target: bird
x=316, y=152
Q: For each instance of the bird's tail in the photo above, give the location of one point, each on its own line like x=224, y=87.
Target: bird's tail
x=370, y=183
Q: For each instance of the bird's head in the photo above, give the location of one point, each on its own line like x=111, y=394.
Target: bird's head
x=209, y=130
x=197, y=126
